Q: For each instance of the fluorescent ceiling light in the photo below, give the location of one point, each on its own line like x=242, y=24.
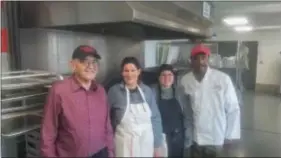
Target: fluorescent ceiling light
x=268, y=28
x=235, y=21
x=243, y=28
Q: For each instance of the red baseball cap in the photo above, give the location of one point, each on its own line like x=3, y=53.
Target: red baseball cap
x=200, y=48
x=82, y=51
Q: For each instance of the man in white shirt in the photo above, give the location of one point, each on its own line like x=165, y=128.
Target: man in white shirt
x=216, y=112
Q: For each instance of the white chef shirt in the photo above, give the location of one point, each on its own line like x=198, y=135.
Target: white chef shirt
x=216, y=111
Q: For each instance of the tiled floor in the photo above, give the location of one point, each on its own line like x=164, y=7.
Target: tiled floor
x=261, y=127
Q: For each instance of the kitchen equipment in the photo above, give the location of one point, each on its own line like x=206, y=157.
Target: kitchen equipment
x=23, y=94
x=133, y=19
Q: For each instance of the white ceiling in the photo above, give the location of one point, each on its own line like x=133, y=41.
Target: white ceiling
x=261, y=15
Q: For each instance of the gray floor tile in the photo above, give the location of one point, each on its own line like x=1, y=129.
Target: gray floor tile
x=261, y=127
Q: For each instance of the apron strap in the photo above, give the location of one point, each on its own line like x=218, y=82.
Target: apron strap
x=142, y=94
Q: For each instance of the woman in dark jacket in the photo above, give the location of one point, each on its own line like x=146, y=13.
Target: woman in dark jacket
x=171, y=111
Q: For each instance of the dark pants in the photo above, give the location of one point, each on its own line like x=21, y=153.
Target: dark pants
x=101, y=154
x=205, y=151
x=175, y=144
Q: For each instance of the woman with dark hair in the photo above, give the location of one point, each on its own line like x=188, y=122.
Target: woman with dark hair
x=169, y=100
x=134, y=113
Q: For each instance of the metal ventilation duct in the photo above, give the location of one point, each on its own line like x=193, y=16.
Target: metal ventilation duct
x=148, y=20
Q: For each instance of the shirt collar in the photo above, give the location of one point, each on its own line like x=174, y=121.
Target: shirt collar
x=205, y=76
x=207, y=72
x=75, y=85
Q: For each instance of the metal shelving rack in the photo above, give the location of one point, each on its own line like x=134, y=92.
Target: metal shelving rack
x=183, y=62
x=237, y=68
x=23, y=94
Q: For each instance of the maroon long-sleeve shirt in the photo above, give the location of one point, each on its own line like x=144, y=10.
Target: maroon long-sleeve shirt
x=76, y=122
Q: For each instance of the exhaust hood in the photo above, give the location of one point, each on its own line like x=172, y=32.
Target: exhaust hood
x=145, y=19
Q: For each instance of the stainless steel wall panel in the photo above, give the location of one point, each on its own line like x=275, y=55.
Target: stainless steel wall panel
x=117, y=49
x=5, y=64
x=34, y=49
x=51, y=50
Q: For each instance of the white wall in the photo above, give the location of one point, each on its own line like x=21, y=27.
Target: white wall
x=150, y=47
x=149, y=53
x=269, y=57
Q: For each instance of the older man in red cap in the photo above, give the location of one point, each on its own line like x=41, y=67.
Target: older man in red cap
x=76, y=120
x=216, y=112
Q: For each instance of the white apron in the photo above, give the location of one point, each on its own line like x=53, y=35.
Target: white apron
x=134, y=134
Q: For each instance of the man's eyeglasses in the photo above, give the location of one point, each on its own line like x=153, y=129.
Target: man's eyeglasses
x=88, y=63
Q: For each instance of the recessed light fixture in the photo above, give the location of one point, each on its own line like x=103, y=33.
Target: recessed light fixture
x=235, y=21
x=243, y=28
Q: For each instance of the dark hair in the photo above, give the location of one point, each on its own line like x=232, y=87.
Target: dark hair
x=166, y=67
x=130, y=60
